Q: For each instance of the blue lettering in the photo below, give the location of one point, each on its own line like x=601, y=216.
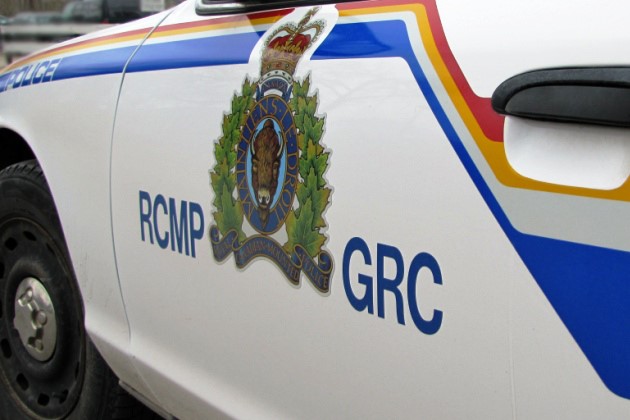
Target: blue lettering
x=40, y=72
x=9, y=84
x=185, y=223
x=367, y=301
x=20, y=76
x=393, y=285
x=196, y=231
x=420, y=261
x=145, y=215
x=50, y=72
x=28, y=78
x=160, y=202
x=382, y=283
x=179, y=231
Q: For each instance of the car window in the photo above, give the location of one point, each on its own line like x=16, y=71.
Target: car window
x=32, y=18
x=88, y=11
x=107, y=11
x=120, y=11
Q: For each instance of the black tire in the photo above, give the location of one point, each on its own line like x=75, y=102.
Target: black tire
x=74, y=382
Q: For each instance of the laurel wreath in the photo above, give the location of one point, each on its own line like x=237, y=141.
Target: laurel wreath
x=303, y=225
x=229, y=211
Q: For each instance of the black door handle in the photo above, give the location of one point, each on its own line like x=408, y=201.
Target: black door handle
x=588, y=95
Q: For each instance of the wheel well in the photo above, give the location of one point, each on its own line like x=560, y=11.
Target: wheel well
x=13, y=148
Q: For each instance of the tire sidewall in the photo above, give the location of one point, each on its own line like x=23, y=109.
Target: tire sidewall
x=25, y=198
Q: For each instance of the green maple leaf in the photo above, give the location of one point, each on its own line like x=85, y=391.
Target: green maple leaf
x=311, y=150
x=227, y=136
x=232, y=215
x=308, y=126
x=230, y=181
x=248, y=88
x=303, y=192
x=244, y=117
x=298, y=120
x=300, y=231
x=236, y=105
x=300, y=114
x=320, y=163
x=300, y=89
x=306, y=86
x=305, y=166
x=233, y=138
x=217, y=187
x=231, y=159
x=219, y=152
x=300, y=141
x=220, y=169
x=294, y=98
x=319, y=199
x=221, y=181
x=311, y=104
x=314, y=158
x=317, y=129
x=225, y=128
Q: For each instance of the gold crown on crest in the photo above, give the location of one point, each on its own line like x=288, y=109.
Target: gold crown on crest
x=286, y=45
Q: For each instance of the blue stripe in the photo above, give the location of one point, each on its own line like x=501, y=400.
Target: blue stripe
x=94, y=63
x=215, y=51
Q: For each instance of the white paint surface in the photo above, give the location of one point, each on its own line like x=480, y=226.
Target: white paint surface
x=576, y=155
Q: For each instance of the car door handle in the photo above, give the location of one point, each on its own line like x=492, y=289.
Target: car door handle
x=588, y=95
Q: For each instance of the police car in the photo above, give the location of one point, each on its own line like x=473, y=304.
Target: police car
x=306, y=209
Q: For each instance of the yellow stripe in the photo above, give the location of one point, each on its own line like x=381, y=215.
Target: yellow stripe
x=492, y=151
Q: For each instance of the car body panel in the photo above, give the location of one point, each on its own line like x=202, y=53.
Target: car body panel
x=510, y=295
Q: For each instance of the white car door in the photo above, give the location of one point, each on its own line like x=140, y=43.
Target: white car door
x=318, y=214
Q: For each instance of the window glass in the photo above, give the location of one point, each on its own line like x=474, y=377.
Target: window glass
x=120, y=11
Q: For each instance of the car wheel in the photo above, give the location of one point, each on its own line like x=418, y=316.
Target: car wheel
x=48, y=366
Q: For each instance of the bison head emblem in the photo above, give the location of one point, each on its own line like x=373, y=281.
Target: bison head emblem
x=266, y=150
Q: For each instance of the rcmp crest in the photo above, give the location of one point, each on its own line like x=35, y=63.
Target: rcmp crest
x=268, y=181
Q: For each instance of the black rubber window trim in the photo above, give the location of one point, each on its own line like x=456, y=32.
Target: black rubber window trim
x=227, y=7
x=586, y=95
